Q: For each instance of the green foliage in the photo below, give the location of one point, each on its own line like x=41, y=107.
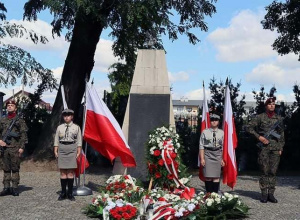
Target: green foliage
x=260, y=98
x=133, y=25
x=284, y=18
x=16, y=62
x=190, y=141
x=217, y=101
x=93, y=211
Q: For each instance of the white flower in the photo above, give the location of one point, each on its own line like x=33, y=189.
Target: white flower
x=178, y=214
x=239, y=202
x=227, y=194
x=209, y=203
x=178, y=145
x=218, y=200
x=119, y=203
x=182, y=209
x=191, y=207
x=235, y=196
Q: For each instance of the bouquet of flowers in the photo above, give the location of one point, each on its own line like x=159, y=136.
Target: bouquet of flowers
x=164, y=159
x=120, y=191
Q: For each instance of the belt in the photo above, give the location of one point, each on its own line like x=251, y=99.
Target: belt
x=67, y=142
x=213, y=148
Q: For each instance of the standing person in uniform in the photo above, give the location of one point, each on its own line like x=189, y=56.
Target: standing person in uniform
x=67, y=147
x=269, y=154
x=13, y=149
x=211, y=148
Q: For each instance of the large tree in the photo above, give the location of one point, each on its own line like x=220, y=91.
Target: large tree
x=131, y=24
x=284, y=18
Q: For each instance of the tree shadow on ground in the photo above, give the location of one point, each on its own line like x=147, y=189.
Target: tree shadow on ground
x=23, y=188
x=250, y=194
x=250, y=178
x=94, y=186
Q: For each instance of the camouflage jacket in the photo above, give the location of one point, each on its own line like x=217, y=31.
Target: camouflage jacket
x=261, y=124
x=19, y=128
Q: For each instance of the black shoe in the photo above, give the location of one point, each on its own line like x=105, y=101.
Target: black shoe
x=62, y=196
x=5, y=192
x=14, y=192
x=71, y=197
x=272, y=199
x=264, y=198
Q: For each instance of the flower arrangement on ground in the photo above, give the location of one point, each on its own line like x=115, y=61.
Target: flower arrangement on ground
x=164, y=159
x=166, y=204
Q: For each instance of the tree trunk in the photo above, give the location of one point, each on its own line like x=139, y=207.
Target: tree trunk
x=78, y=65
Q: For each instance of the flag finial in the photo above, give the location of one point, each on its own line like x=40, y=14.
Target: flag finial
x=226, y=83
x=203, y=84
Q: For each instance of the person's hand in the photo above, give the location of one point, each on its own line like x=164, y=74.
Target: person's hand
x=2, y=143
x=222, y=163
x=263, y=140
x=77, y=155
x=203, y=163
x=56, y=154
x=280, y=152
x=21, y=151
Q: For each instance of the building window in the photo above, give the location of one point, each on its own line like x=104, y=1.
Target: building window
x=180, y=109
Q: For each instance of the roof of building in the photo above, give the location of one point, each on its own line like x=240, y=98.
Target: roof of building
x=41, y=102
x=186, y=102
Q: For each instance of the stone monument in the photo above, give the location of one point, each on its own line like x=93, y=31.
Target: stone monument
x=149, y=106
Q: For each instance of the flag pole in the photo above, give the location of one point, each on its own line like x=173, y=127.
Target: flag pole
x=83, y=190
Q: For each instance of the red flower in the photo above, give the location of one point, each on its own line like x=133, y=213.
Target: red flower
x=126, y=177
x=173, y=155
x=157, y=153
x=170, y=176
x=161, y=162
x=169, y=161
x=157, y=175
x=161, y=199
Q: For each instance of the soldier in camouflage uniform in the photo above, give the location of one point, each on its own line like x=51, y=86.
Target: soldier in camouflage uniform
x=269, y=154
x=12, y=150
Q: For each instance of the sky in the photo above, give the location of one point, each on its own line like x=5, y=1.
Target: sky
x=235, y=46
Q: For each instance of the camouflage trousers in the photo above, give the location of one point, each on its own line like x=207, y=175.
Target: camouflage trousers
x=268, y=161
x=11, y=167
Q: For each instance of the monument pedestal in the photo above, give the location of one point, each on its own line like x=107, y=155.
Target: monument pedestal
x=149, y=106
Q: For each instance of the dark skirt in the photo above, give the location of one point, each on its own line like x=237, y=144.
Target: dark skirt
x=213, y=160
x=67, y=156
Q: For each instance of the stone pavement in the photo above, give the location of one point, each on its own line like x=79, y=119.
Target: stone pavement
x=39, y=193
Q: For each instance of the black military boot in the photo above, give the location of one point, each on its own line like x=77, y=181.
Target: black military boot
x=14, y=191
x=5, y=192
x=264, y=196
x=271, y=198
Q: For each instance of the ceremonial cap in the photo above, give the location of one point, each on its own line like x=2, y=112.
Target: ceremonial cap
x=214, y=117
x=68, y=112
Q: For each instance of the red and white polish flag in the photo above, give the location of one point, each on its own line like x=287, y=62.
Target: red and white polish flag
x=205, y=123
x=103, y=132
x=82, y=164
x=230, y=143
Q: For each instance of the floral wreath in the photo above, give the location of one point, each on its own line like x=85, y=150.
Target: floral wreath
x=164, y=159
